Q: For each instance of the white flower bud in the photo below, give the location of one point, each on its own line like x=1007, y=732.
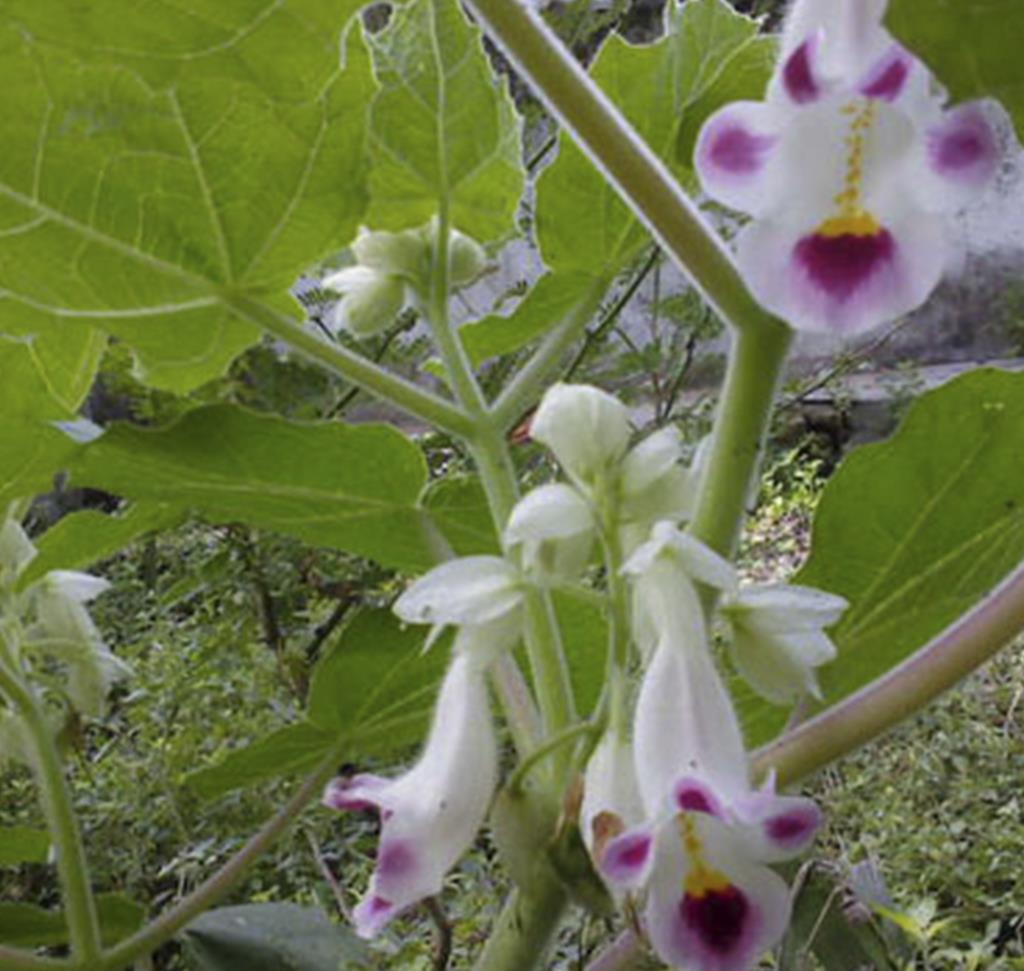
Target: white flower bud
x=16, y=549
x=555, y=526
x=466, y=258
x=405, y=254
x=370, y=300
x=586, y=429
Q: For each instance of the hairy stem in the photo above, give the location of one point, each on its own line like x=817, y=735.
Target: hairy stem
x=902, y=691
x=55, y=795
x=741, y=424
x=360, y=371
x=161, y=930
x=615, y=147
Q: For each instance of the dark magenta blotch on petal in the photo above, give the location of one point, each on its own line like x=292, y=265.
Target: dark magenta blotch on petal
x=738, y=151
x=718, y=917
x=887, y=79
x=694, y=800
x=792, y=827
x=395, y=859
x=627, y=854
x=798, y=75
x=841, y=265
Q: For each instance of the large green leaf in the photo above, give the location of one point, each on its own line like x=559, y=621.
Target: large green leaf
x=916, y=530
x=582, y=225
x=26, y=925
x=159, y=157
x=351, y=487
x=973, y=48
x=441, y=127
x=47, y=373
x=272, y=937
x=371, y=695
x=85, y=537
x=30, y=455
x=458, y=505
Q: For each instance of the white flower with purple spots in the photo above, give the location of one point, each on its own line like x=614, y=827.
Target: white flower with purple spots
x=849, y=168
x=699, y=860
x=431, y=814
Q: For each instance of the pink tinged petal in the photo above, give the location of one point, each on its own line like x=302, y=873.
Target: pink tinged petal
x=395, y=859
x=963, y=147
x=627, y=858
x=887, y=79
x=799, y=78
x=776, y=828
x=371, y=914
x=694, y=795
x=734, y=153
x=841, y=265
x=354, y=793
x=719, y=926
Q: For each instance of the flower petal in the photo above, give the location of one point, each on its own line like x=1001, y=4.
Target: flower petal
x=734, y=154
x=799, y=74
x=80, y=587
x=430, y=814
x=626, y=860
x=554, y=511
x=468, y=590
x=611, y=801
x=777, y=828
x=781, y=608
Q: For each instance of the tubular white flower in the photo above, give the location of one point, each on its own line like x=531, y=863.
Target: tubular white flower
x=469, y=590
x=371, y=300
x=777, y=638
x=586, y=429
x=431, y=813
x=849, y=169
x=16, y=550
x=555, y=527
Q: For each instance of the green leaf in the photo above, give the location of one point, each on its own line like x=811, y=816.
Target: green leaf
x=291, y=750
x=582, y=225
x=458, y=505
x=141, y=184
x=272, y=937
x=351, y=487
x=973, y=48
x=47, y=373
x=441, y=127
x=83, y=538
x=550, y=299
x=371, y=694
x=23, y=844
x=916, y=530
x=375, y=686
x=31, y=455
x=585, y=640
x=25, y=925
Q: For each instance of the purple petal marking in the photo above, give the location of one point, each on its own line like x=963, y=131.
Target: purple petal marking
x=395, y=859
x=626, y=856
x=719, y=919
x=738, y=151
x=798, y=74
x=371, y=914
x=841, y=265
x=794, y=827
x=693, y=795
x=887, y=79
x=963, y=146
x=353, y=793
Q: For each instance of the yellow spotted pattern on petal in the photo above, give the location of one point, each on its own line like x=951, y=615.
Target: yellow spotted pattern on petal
x=851, y=218
x=701, y=879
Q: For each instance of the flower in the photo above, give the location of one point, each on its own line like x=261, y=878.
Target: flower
x=554, y=526
x=390, y=270
x=586, y=428
x=777, y=637
x=849, y=168
x=431, y=813
x=710, y=902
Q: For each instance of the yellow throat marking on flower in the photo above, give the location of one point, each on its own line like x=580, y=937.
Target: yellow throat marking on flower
x=851, y=218
x=701, y=879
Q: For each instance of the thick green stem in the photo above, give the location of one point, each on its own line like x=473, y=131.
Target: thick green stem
x=362, y=372
x=12, y=959
x=55, y=795
x=615, y=147
x=741, y=424
x=161, y=930
x=902, y=691
x=525, y=929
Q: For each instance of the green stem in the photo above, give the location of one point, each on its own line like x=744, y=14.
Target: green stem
x=161, y=930
x=908, y=687
x=359, y=370
x=13, y=959
x=616, y=148
x=744, y=411
x=527, y=764
x=55, y=795
x=525, y=929
x=529, y=384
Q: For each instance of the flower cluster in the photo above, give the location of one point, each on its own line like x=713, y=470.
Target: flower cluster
x=850, y=168
x=47, y=620
x=391, y=270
